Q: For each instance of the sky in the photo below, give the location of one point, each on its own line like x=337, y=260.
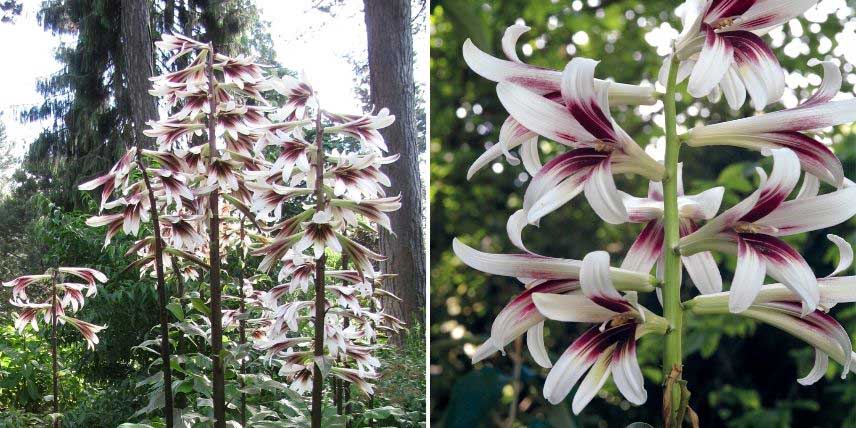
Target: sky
x=304, y=39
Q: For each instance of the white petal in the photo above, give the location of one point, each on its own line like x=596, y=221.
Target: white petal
x=821, y=362
x=570, y=308
x=535, y=343
x=517, y=265
x=810, y=187
x=593, y=382
x=807, y=214
x=541, y=115
x=771, y=13
x=536, y=79
x=530, y=155
x=714, y=60
x=795, y=273
x=845, y=254
x=646, y=249
x=511, y=135
x=733, y=89
x=514, y=228
x=627, y=374
x=829, y=86
x=603, y=196
x=757, y=65
x=748, y=278
x=798, y=119
x=509, y=41
x=595, y=277
x=705, y=205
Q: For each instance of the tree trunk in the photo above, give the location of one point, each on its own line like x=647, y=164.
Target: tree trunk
x=137, y=53
x=168, y=16
x=139, y=67
x=390, y=48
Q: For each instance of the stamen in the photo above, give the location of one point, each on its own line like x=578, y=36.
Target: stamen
x=724, y=23
x=746, y=227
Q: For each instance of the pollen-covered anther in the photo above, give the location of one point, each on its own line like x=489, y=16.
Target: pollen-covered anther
x=623, y=318
x=601, y=146
x=746, y=227
x=724, y=23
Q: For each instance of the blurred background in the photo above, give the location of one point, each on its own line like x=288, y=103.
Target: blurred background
x=741, y=374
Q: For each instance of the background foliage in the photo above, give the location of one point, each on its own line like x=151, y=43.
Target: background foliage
x=741, y=374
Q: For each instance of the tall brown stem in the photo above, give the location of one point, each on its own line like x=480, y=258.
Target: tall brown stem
x=242, y=323
x=320, y=205
x=341, y=385
x=219, y=393
x=161, y=290
x=54, y=362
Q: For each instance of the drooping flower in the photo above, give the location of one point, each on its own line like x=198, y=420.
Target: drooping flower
x=540, y=275
x=778, y=306
x=364, y=127
x=753, y=228
x=541, y=81
x=647, y=249
x=608, y=349
x=601, y=148
x=790, y=128
x=720, y=48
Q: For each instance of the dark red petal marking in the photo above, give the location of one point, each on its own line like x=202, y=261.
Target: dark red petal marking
x=720, y=9
x=771, y=248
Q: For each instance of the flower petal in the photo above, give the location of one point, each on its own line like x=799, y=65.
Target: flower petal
x=646, y=249
x=714, y=60
x=541, y=115
x=770, y=13
x=701, y=267
x=845, y=254
x=733, y=89
x=571, y=308
x=821, y=363
x=511, y=135
x=757, y=65
x=509, y=41
x=807, y=214
x=786, y=266
x=603, y=196
x=703, y=206
x=535, y=343
x=810, y=187
x=627, y=374
x=588, y=105
x=593, y=382
x=560, y=180
x=829, y=86
x=780, y=184
x=748, y=277
x=517, y=265
x=597, y=284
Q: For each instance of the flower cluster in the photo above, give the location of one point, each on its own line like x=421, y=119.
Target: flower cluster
x=722, y=52
x=58, y=296
x=281, y=196
x=307, y=198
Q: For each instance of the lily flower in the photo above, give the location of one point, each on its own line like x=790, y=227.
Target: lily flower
x=753, y=228
x=601, y=148
x=779, y=306
x=88, y=330
x=541, y=81
x=168, y=132
x=608, y=349
x=357, y=378
x=364, y=127
x=541, y=275
x=91, y=276
x=299, y=94
x=19, y=285
x=790, y=128
x=721, y=45
x=647, y=249
x=118, y=173
x=182, y=231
